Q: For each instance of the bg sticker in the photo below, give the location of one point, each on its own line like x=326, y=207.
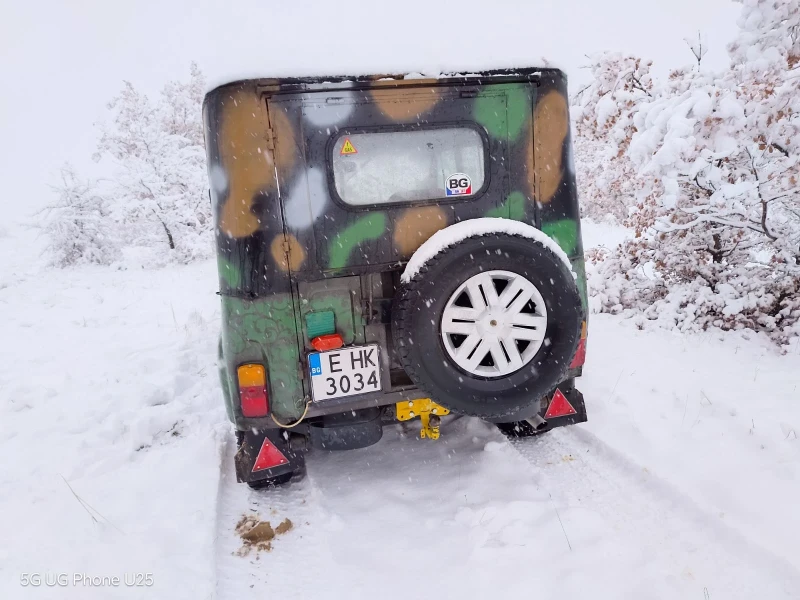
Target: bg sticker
x=348, y=148
x=458, y=184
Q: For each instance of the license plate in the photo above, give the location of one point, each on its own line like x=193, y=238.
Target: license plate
x=344, y=372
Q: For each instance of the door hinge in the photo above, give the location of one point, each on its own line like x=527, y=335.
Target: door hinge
x=286, y=246
x=270, y=139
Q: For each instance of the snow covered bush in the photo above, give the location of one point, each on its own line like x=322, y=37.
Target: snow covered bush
x=603, y=116
x=716, y=208
x=78, y=224
x=156, y=197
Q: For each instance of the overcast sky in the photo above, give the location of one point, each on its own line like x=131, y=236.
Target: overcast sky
x=61, y=61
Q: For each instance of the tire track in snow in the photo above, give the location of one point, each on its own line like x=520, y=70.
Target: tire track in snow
x=264, y=574
x=364, y=516
x=481, y=509
x=581, y=471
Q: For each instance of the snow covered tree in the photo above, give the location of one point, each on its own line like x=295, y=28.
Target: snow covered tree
x=78, y=224
x=159, y=190
x=157, y=194
x=603, y=114
x=718, y=231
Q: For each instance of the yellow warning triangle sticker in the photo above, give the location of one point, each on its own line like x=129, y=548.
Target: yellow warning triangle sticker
x=348, y=147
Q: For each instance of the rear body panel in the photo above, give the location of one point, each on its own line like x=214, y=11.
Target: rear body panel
x=288, y=245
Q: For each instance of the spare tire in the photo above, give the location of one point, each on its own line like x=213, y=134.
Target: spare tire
x=489, y=325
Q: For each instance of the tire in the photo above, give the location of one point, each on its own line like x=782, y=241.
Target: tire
x=429, y=356
x=520, y=429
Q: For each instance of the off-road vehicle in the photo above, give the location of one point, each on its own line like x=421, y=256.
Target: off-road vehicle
x=392, y=248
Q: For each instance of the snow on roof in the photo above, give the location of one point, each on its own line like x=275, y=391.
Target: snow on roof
x=216, y=81
x=314, y=38
x=252, y=39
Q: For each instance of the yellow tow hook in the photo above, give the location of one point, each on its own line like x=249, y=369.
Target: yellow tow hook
x=429, y=413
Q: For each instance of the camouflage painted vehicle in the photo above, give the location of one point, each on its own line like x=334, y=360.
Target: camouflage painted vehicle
x=324, y=188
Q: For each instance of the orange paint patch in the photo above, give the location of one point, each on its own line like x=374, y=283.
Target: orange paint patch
x=415, y=227
x=405, y=105
x=550, y=128
x=295, y=257
x=247, y=162
x=286, y=150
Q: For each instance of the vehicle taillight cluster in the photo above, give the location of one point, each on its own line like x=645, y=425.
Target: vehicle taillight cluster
x=253, y=390
x=580, y=353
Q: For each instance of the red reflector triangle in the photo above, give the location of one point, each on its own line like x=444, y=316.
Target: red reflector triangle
x=559, y=406
x=268, y=457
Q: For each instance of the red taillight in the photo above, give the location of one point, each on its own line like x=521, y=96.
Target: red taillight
x=253, y=390
x=254, y=401
x=580, y=353
x=332, y=341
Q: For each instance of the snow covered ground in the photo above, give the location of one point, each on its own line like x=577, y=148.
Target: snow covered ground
x=109, y=398
x=116, y=459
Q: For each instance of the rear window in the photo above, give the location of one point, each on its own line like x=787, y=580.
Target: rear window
x=389, y=167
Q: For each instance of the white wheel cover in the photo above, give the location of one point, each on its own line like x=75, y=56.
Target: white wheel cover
x=494, y=323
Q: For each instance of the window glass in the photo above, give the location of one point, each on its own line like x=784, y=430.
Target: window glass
x=408, y=166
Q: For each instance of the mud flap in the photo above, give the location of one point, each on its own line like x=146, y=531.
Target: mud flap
x=265, y=455
x=563, y=406
x=574, y=400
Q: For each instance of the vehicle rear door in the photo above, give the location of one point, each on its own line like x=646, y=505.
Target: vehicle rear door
x=368, y=175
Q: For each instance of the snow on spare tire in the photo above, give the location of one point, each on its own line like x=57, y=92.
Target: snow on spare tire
x=487, y=318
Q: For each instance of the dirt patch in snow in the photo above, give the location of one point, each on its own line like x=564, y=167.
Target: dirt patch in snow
x=284, y=526
x=257, y=534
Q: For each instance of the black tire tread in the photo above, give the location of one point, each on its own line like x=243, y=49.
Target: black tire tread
x=402, y=303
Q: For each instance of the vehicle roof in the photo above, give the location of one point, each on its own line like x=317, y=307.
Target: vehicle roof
x=338, y=82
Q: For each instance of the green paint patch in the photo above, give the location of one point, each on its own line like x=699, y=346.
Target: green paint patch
x=369, y=227
x=565, y=233
x=229, y=274
x=512, y=208
x=264, y=331
x=506, y=114
x=579, y=267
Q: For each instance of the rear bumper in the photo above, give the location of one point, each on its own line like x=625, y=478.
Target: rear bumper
x=342, y=404
x=330, y=407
